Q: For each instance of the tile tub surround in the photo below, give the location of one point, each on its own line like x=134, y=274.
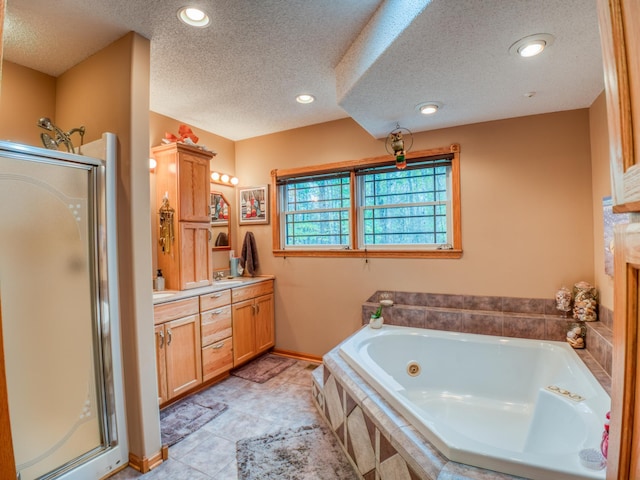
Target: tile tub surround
x=534, y=318
x=380, y=442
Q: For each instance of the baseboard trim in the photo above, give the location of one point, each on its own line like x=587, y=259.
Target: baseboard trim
x=297, y=355
x=144, y=464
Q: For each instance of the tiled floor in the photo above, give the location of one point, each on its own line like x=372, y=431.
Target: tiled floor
x=254, y=409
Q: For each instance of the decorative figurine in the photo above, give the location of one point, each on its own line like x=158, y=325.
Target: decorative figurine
x=167, y=235
x=397, y=144
x=185, y=135
x=576, y=334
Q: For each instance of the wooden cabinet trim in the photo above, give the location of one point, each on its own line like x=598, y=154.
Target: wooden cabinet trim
x=217, y=358
x=165, y=312
x=215, y=325
x=264, y=323
x=215, y=299
x=240, y=294
x=182, y=376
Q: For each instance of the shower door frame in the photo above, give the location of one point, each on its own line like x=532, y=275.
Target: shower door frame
x=114, y=453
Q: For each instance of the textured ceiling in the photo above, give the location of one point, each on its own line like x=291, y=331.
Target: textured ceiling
x=370, y=60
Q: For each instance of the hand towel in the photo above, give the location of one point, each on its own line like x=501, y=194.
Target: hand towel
x=249, y=255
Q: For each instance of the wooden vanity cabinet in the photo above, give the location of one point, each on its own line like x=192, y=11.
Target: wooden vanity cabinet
x=178, y=351
x=182, y=174
x=253, y=321
x=203, y=337
x=216, y=334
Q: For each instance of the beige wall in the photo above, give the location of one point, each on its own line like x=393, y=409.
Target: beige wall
x=109, y=92
x=26, y=95
x=527, y=221
x=224, y=161
x=601, y=181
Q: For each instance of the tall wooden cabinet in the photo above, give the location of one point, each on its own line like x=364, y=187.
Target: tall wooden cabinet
x=182, y=175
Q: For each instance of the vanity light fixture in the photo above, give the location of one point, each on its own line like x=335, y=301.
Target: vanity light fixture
x=305, y=98
x=194, y=17
x=531, y=45
x=152, y=164
x=224, y=178
x=428, y=108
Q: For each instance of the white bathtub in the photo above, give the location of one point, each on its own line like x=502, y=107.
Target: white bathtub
x=484, y=400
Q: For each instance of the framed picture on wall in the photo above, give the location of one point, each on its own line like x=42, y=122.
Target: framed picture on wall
x=253, y=205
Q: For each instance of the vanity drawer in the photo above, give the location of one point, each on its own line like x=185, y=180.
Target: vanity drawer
x=251, y=291
x=170, y=311
x=215, y=299
x=215, y=324
x=217, y=359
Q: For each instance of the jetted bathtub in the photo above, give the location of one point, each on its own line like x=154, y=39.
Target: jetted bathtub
x=518, y=406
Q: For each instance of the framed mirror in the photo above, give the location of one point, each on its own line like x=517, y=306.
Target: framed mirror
x=220, y=212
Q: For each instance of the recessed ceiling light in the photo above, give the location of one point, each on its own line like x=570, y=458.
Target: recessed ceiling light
x=532, y=45
x=305, y=98
x=428, y=108
x=193, y=16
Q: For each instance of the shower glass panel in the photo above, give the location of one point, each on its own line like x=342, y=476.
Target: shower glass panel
x=57, y=355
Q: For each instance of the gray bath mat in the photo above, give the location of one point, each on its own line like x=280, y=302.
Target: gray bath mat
x=263, y=368
x=305, y=453
x=186, y=416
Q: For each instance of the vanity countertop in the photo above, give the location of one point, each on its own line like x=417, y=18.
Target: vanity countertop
x=165, y=296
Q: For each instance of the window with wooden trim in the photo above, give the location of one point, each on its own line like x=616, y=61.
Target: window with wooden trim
x=370, y=208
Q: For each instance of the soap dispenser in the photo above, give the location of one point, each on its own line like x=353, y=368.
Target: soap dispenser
x=159, y=281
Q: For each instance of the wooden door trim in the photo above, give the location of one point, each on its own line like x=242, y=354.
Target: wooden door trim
x=7, y=460
x=623, y=452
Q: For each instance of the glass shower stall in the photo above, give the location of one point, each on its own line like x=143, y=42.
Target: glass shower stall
x=59, y=311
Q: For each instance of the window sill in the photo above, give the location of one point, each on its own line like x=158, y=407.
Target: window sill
x=450, y=254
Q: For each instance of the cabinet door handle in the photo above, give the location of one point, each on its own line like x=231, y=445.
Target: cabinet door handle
x=217, y=346
x=215, y=295
x=216, y=312
x=257, y=309
x=161, y=335
x=169, y=335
